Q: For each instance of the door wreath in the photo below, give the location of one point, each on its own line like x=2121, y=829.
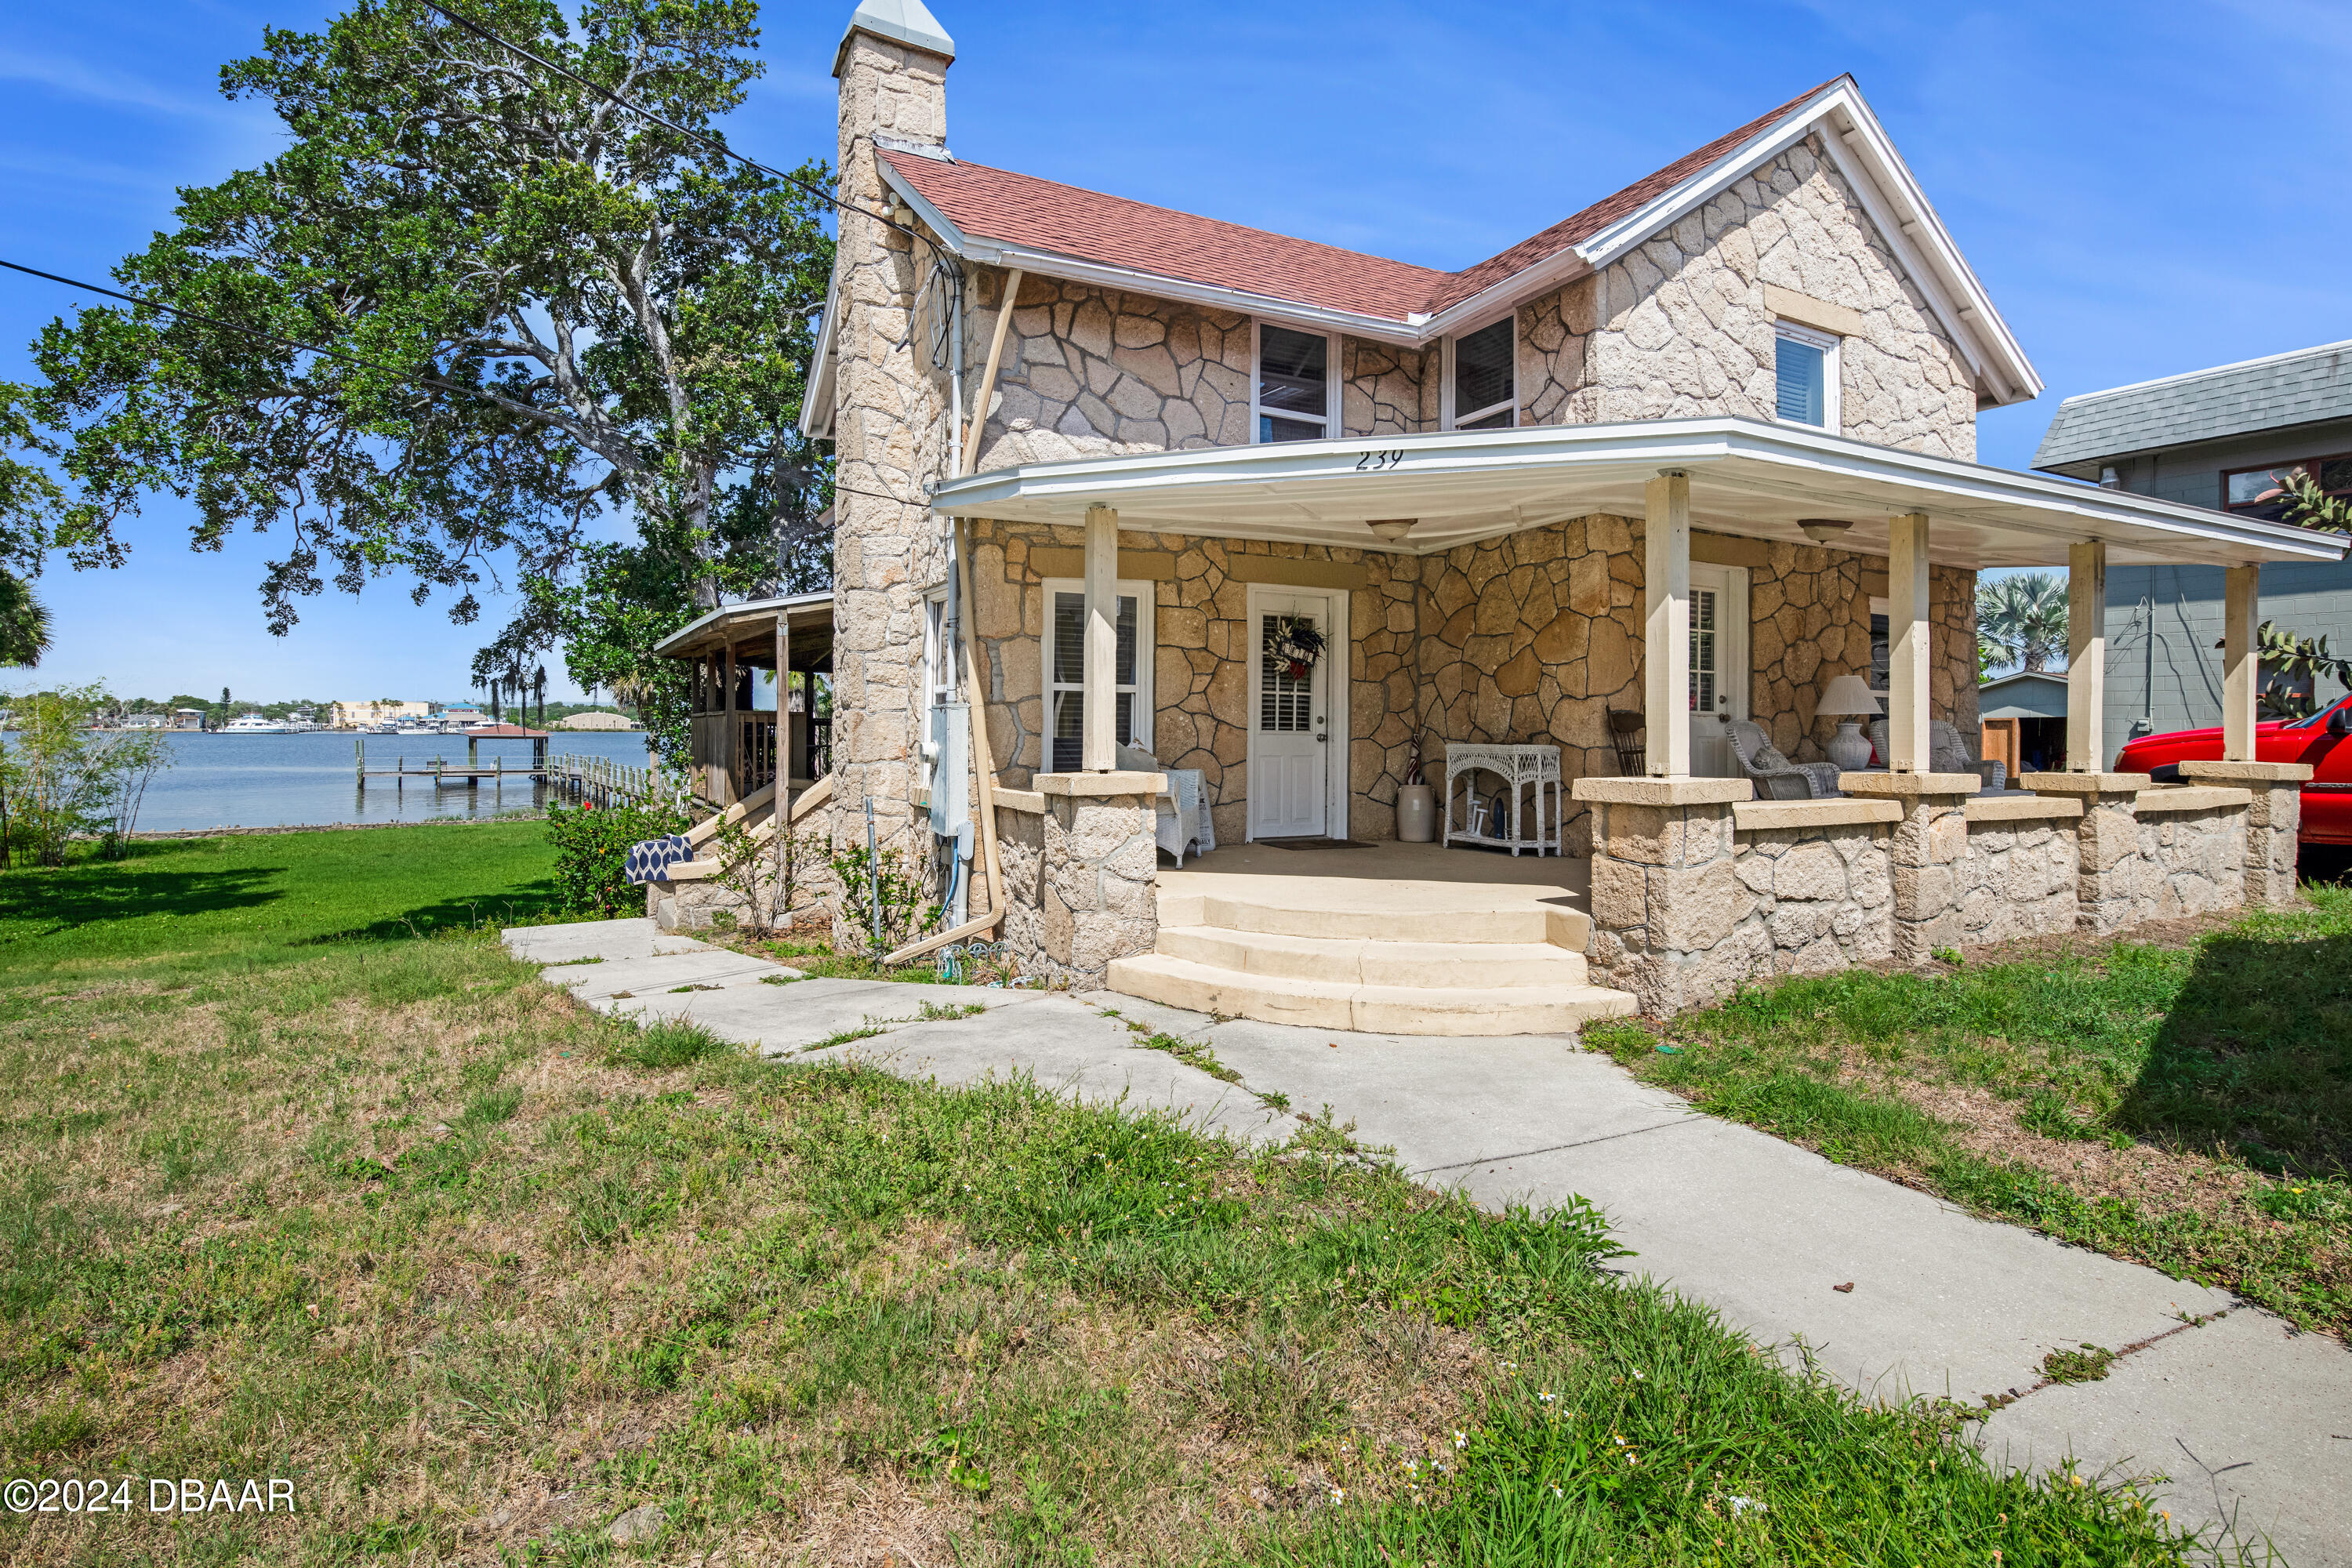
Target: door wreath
x=1297, y=641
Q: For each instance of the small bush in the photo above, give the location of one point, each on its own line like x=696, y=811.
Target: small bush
x=592, y=847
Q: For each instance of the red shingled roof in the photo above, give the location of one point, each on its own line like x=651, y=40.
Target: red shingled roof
x=1088, y=225
x=1018, y=209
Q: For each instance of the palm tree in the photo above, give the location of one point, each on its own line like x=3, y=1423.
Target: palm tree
x=24, y=622
x=2022, y=620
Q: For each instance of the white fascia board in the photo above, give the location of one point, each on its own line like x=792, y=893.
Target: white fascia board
x=1054, y=264
x=1927, y=234
x=2057, y=509
x=816, y=401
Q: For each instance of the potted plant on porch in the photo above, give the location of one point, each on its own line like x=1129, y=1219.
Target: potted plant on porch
x=1416, y=807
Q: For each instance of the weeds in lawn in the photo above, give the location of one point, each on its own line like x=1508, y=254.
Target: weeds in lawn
x=667, y=1043
x=2085, y=1363
x=936, y=1013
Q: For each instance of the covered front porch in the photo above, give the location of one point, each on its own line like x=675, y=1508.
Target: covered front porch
x=1619, y=596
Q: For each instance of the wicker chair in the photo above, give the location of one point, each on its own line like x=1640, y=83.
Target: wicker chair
x=1183, y=820
x=1774, y=775
x=1947, y=753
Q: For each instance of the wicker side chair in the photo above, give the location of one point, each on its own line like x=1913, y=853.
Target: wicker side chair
x=1774, y=775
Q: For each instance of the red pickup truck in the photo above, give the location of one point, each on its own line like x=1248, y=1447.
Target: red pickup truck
x=2324, y=740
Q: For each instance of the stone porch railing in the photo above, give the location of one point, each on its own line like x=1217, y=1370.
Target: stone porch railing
x=1080, y=852
x=1697, y=889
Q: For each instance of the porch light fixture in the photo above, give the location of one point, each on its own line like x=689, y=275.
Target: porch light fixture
x=1393, y=529
x=1824, y=531
x=1848, y=694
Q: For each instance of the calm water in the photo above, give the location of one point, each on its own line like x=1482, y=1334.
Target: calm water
x=290, y=781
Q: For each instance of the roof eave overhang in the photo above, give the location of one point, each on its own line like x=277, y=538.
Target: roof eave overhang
x=816, y=404
x=683, y=640
x=1550, y=471
x=989, y=252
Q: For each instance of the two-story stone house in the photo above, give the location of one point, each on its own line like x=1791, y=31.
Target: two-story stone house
x=1683, y=459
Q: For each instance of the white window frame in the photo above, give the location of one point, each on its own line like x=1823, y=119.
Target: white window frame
x=1448, y=417
x=939, y=675
x=1833, y=411
x=1330, y=383
x=1146, y=659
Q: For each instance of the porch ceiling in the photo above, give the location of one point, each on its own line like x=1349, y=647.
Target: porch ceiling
x=751, y=629
x=1747, y=477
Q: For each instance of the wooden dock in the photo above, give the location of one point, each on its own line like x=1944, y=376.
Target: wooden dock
x=468, y=774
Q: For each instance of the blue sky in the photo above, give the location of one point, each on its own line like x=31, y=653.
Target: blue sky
x=2144, y=188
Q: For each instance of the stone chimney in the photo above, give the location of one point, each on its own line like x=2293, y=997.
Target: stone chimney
x=890, y=435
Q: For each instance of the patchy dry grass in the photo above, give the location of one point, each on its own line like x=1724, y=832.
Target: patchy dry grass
x=2183, y=1099
x=482, y=1272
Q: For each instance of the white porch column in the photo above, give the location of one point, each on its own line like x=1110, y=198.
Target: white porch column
x=2240, y=665
x=1666, y=651
x=1908, y=656
x=2086, y=658
x=1099, y=697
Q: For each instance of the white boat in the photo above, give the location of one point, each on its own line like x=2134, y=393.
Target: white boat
x=254, y=724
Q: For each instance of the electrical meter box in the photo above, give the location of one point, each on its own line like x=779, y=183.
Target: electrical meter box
x=951, y=751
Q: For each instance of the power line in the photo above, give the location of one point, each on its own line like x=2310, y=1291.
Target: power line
x=667, y=123
x=411, y=377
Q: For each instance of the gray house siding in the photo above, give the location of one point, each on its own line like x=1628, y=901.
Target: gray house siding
x=2164, y=672
x=2193, y=474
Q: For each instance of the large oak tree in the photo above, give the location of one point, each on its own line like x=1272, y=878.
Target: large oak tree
x=540, y=306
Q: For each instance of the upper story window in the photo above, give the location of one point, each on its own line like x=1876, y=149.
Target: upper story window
x=2261, y=492
x=1484, y=386
x=1805, y=370
x=1296, y=393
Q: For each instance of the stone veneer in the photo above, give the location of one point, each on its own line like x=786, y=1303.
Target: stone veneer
x=1078, y=884
x=1695, y=892
x=1679, y=326
x=1090, y=372
x=1530, y=637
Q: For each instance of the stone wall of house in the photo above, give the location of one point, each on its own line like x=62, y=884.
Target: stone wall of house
x=1200, y=670
x=1091, y=371
x=1078, y=885
x=1678, y=327
x=1534, y=636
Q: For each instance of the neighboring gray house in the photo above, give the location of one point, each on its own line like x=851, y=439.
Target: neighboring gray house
x=2221, y=439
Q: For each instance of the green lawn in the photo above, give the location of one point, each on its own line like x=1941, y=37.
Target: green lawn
x=268, y=896
x=482, y=1271
x=2187, y=1105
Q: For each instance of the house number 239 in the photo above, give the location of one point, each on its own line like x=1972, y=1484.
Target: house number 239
x=1375, y=462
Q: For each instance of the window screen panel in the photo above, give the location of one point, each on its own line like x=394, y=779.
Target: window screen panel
x=1124, y=670
x=1069, y=731
x=1269, y=428
x=1482, y=369
x=1069, y=637
x=1802, y=374
x=1293, y=371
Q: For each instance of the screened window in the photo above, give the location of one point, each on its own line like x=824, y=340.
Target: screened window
x=1485, y=395
x=2263, y=493
x=1805, y=370
x=1066, y=605
x=1293, y=384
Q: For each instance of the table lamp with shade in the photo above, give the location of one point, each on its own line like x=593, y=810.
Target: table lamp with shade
x=1848, y=696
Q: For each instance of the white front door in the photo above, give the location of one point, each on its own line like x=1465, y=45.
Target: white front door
x=1290, y=746
x=1719, y=664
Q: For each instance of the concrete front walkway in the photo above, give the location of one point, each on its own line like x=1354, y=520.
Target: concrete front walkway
x=2252, y=1423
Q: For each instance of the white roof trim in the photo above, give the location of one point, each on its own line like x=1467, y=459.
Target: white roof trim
x=1745, y=474
x=1858, y=148
x=816, y=398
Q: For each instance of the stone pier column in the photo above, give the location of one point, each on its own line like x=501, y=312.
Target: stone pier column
x=2117, y=884
x=2273, y=822
x=1927, y=849
x=1090, y=897
x=1667, y=902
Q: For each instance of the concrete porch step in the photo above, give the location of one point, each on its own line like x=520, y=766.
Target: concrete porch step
x=1445, y=919
x=1370, y=1009
x=1444, y=965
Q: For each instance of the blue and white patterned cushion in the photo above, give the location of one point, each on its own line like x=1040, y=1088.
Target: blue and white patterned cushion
x=650, y=860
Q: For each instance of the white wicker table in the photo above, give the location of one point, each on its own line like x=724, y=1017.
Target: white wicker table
x=1518, y=767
